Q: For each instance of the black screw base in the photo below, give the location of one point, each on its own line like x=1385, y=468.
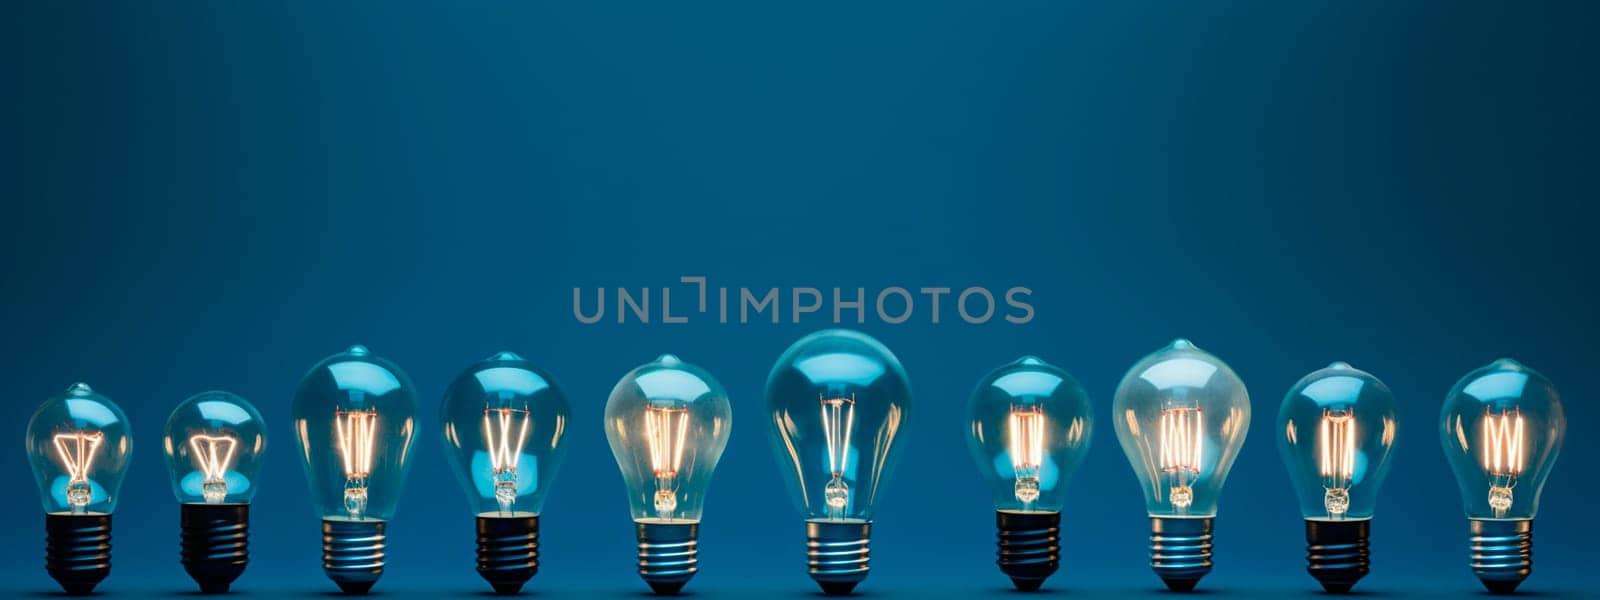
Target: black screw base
x=1030, y=546
x=352, y=553
x=837, y=554
x=77, y=550
x=1180, y=550
x=1337, y=554
x=508, y=551
x=1502, y=553
x=669, y=555
x=214, y=544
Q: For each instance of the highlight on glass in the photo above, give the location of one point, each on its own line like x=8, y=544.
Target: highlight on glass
x=1502, y=427
x=354, y=421
x=79, y=446
x=504, y=426
x=1030, y=424
x=214, y=442
x=839, y=401
x=1338, y=428
x=668, y=422
x=1182, y=416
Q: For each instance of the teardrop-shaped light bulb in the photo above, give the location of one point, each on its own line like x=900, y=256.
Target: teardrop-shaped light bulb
x=1030, y=426
x=1502, y=427
x=1337, y=428
x=839, y=401
x=1181, y=415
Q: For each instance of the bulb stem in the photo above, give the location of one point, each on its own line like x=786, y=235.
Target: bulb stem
x=1337, y=553
x=78, y=550
x=1180, y=550
x=214, y=543
x=508, y=551
x=837, y=554
x=669, y=555
x=1029, y=546
x=1502, y=552
x=353, y=552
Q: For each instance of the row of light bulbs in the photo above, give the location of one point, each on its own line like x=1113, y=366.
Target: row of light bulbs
x=838, y=401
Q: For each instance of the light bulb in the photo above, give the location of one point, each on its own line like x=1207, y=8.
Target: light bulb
x=1030, y=428
x=355, y=419
x=667, y=422
x=504, y=425
x=214, y=442
x=839, y=400
x=79, y=446
x=1181, y=415
x=1502, y=427
x=1337, y=427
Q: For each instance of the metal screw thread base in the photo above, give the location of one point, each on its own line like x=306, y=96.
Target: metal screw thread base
x=214, y=543
x=508, y=551
x=669, y=555
x=1030, y=546
x=837, y=554
x=1180, y=550
x=352, y=553
x=1502, y=553
x=77, y=550
x=1336, y=553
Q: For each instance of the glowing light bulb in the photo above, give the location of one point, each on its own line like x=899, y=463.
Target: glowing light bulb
x=1030, y=428
x=1181, y=415
x=213, y=443
x=79, y=447
x=1338, y=428
x=355, y=420
x=668, y=422
x=839, y=400
x=504, y=425
x=1502, y=427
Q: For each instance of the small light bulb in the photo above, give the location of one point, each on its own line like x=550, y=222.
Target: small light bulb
x=1502, y=427
x=504, y=425
x=1030, y=428
x=1181, y=415
x=79, y=447
x=1338, y=427
x=838, y=401
x=214, y=442
x=355, y=420
x=668, y=422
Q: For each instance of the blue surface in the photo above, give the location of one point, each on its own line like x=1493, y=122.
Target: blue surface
x=203, y=195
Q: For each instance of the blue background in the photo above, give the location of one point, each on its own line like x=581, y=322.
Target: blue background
x=203, y=195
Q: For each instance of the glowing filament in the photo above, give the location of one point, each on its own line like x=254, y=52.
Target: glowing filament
x=213, y=454
x=357, y=431
x=838, y=418
x=504, y=436
x=666, y=428
x=1182, y=436
x=1337, y=450
x=77, y=451
x=1027, y=437
x=1502, y=455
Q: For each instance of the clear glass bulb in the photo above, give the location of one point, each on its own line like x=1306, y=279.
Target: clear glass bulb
x=1181, y=415
x=1502, y=427
x=668, y=422
x=79, y=446
x=1338, y=427
x=839, y=400
x=504, y=425
x=1030, y=428
x=355, y=418
x=214, y=442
